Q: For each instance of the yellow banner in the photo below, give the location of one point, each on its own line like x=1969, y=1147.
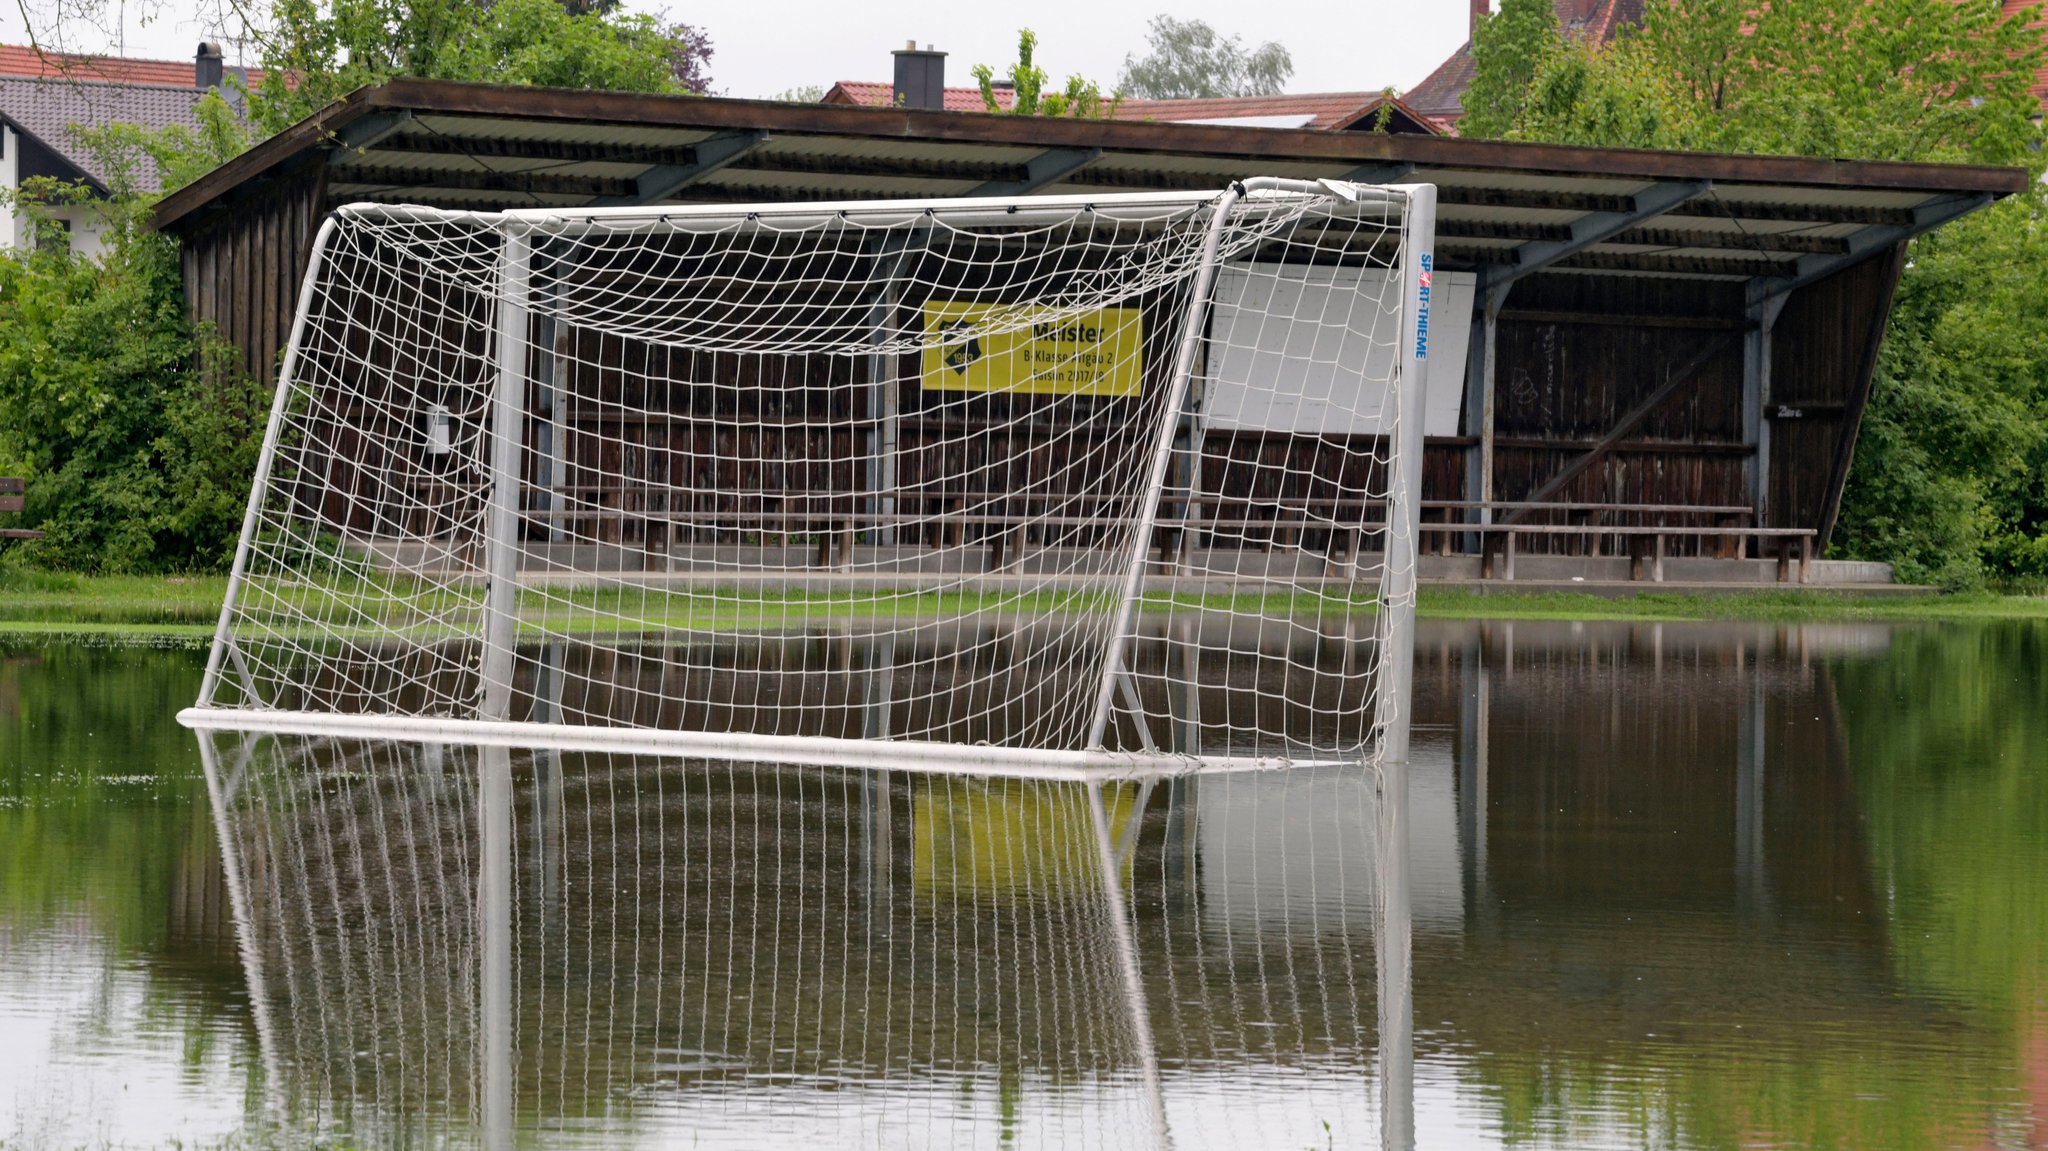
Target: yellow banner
x=1098, y=353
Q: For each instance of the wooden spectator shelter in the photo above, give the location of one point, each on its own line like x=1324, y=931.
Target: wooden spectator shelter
x=1656, y=340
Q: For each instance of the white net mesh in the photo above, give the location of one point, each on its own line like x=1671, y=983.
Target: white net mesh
x=725, y=954
x=660, y=469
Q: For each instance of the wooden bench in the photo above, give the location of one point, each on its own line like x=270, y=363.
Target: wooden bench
x=12, y=500
x=834, y=518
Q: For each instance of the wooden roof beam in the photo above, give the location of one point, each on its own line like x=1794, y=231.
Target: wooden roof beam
x=1593, y=228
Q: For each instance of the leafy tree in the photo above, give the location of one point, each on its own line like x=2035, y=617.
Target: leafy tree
x=801, y=94
x=1188, y=58
x=1950, y=479
x=137, y=433
x=1508, y=48
x=1080, y=97
x=315, y=51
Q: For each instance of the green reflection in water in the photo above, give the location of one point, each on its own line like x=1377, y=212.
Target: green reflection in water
x=110, y=878
x=1879, y=985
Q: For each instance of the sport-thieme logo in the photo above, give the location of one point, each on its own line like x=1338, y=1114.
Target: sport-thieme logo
x=1422, y=309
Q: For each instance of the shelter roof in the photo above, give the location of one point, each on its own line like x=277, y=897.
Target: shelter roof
x=1504, y=208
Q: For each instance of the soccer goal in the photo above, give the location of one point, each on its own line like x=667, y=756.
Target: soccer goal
x=1048, y=485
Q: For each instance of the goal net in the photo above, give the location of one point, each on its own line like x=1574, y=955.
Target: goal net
x=1023, y=470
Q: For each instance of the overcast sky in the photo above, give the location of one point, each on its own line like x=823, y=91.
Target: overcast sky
x=763, y=48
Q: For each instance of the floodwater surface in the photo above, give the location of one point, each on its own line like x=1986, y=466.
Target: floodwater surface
x=1676, y=885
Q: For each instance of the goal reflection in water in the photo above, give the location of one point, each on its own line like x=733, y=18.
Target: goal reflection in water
x=1235, y=680
x=483, y=944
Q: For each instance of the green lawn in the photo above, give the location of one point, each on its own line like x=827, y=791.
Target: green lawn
x=187, y=606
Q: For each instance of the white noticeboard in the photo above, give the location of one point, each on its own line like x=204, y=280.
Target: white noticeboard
x=1309, y=350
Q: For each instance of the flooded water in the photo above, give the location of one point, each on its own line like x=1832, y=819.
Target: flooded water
x=1678, y=885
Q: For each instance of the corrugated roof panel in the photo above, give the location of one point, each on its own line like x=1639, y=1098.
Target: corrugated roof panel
x=1791, y=194
x=828, y=185
x=429, y=162
x=621, y=135
x=904, y=150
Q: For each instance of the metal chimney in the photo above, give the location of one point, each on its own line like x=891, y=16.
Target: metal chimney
x=206, y=66
x=920, y=77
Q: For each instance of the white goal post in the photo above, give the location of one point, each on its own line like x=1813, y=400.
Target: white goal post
x=1064, y=485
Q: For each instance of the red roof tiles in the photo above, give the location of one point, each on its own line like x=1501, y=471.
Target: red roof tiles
x=22, y=60
x=1441, y=94
x=2014, y=8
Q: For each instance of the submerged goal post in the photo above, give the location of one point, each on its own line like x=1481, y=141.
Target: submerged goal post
x=1039, y=484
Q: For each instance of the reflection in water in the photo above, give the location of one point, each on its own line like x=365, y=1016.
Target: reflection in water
x=1699, y=886
x=453, y=941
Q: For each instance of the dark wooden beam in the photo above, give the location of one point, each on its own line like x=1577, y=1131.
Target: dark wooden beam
x=1628, y=423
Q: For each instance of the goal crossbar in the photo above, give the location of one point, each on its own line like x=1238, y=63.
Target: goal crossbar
x=908, y=755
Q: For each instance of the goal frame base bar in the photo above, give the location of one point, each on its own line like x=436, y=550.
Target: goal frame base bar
x=921, y=756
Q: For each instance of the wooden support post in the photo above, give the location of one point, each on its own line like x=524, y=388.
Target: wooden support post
x=1507, y=551
x=1481, y=369
x=1762, y=314
x=1657, y=558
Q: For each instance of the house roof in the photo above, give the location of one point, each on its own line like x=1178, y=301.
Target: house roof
x=44, y=109
x=869, y=94
x=1316, y=111
x=1441, y=94
x=43, y=93
x=26, y=60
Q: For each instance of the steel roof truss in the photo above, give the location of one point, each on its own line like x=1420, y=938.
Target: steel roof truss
x=1593, y=228
x=1867, y=243
x=708, y=156
x=1048, y=167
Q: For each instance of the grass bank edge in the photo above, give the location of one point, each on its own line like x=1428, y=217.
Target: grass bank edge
x=187, y=605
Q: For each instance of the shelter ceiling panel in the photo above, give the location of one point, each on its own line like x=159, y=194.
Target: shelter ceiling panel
x=1739, y=227
x=827, y=149
x=1831, y=195
x=428, y=166
x=1506, y=214
x=612, y=135
x=471, y=199
x=1540, y=183
x=749, y=186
